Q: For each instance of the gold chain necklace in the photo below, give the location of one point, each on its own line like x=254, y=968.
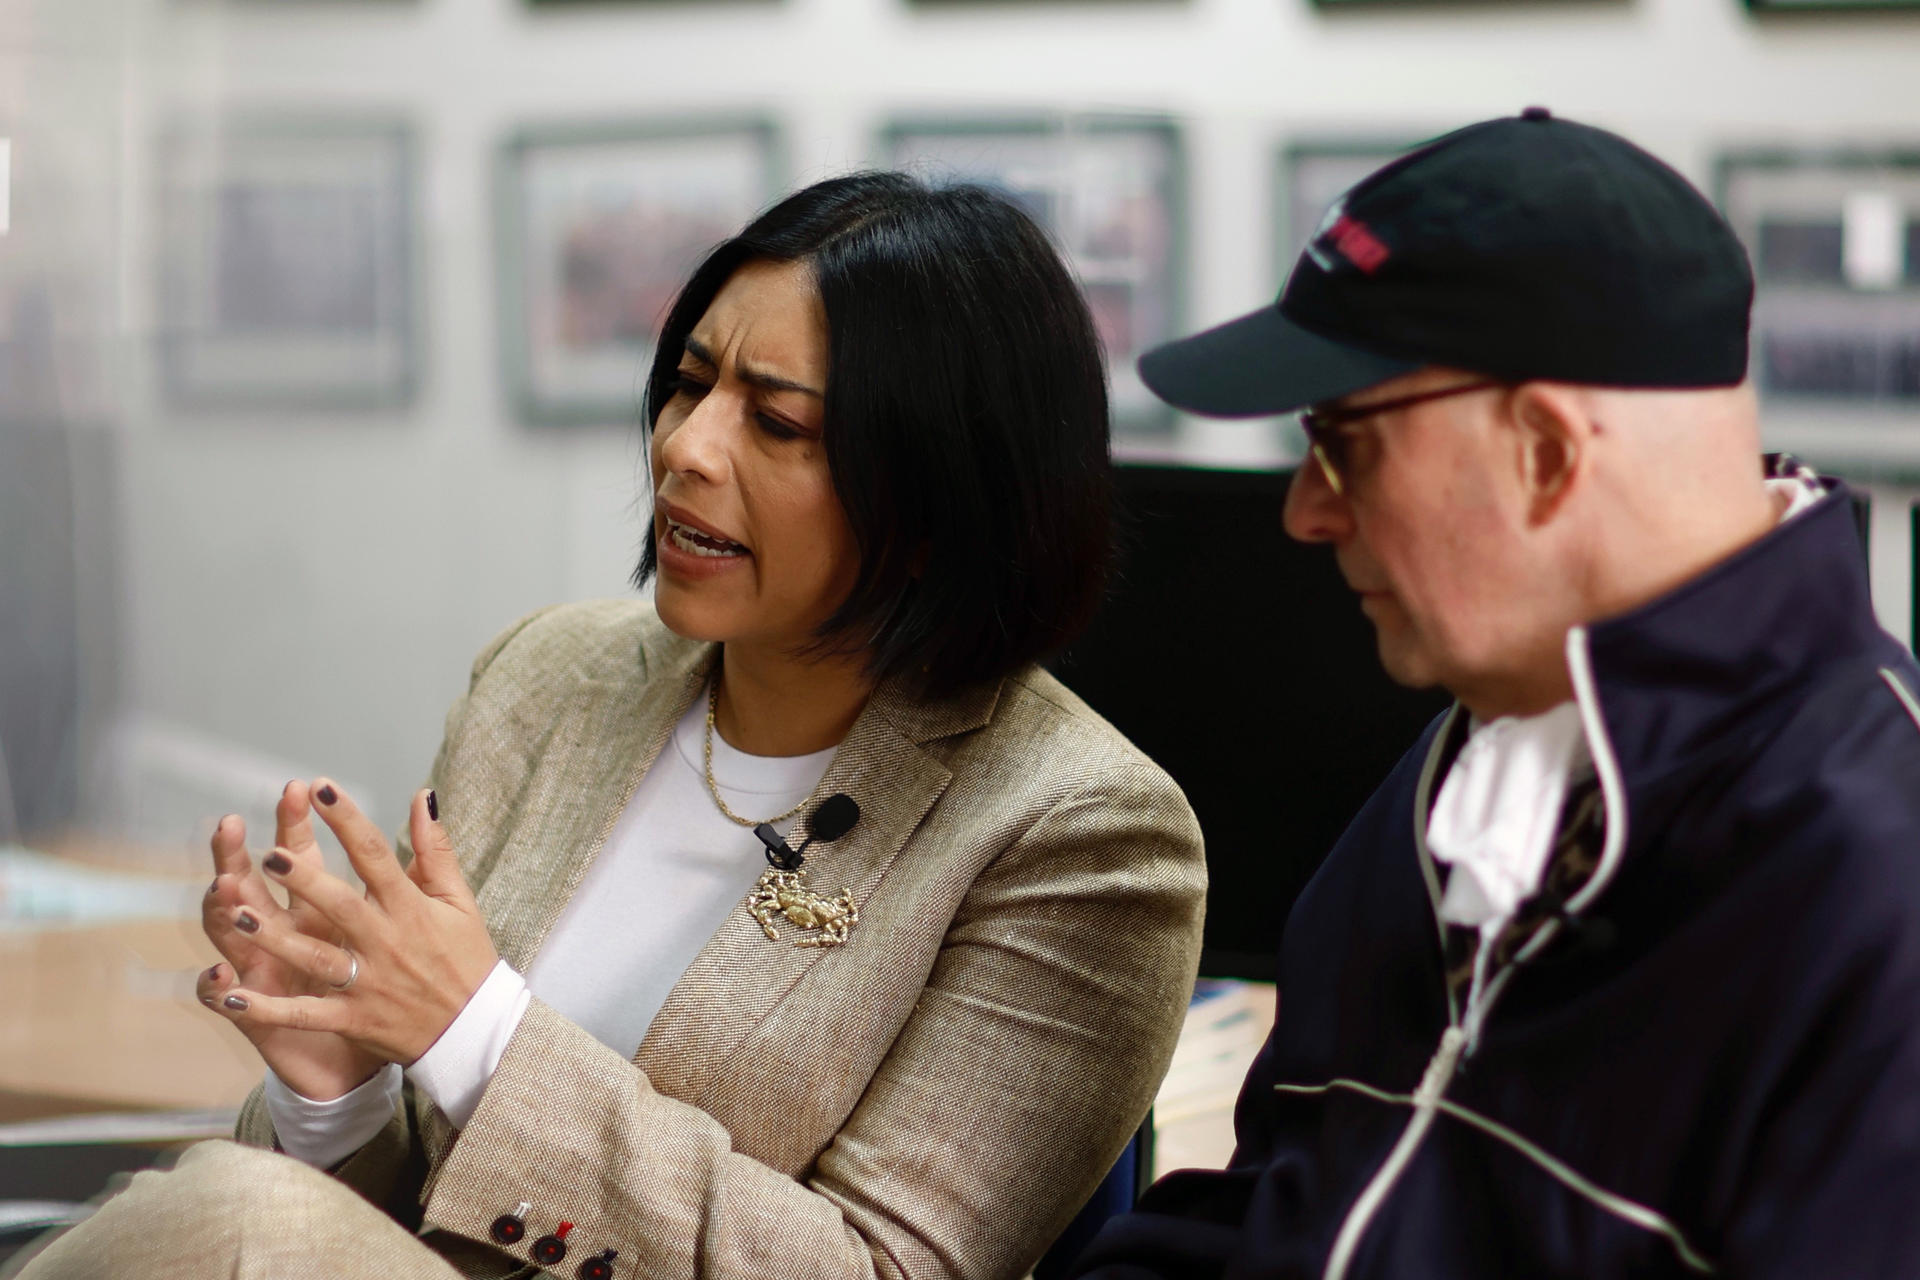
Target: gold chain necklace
x=713, y=788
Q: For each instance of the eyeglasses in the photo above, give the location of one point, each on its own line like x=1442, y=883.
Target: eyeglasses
x=1329, y=446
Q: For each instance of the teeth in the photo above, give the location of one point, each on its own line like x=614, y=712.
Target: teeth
x=700, y=544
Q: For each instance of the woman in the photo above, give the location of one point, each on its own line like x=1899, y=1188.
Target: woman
x=881, y=490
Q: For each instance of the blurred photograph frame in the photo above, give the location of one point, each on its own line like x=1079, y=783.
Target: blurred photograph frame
x=1127, y=245
x=1310, y=173
x=1798, y=7
x=1355, y=6
x=599, y=224
x=1834, y=236
x=286, y=261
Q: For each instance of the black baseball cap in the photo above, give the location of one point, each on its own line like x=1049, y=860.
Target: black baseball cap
x=1523, y=247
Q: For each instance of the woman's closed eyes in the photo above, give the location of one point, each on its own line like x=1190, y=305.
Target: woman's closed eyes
x=694, y=387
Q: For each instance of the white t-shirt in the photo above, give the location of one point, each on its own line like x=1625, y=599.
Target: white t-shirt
x=672, y=870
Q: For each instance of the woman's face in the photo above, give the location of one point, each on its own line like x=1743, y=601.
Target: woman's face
x=752, y=544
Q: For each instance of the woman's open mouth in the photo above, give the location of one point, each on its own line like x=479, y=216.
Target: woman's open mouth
x=697, y=543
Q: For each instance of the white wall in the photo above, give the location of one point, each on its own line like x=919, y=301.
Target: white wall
x=312, y=587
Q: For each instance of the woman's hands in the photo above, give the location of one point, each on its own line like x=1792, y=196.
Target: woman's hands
x=314, y=1064
x=385, y=972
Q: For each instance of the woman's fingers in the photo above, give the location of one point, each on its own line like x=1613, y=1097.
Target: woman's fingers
x=306, y=918
x=331, y=898
x=367, y=849
x=211, y=984
x=233, y=879
x=235, y=883
x=293, y=831
x=293, y=818
x=436, y=867
x=216, y=918
x=254, y=1012
x=216, y=913
x=229, y=845
x=317, y=959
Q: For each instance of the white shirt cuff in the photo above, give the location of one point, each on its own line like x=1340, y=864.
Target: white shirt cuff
x=323, y=1134
x=455, y=1070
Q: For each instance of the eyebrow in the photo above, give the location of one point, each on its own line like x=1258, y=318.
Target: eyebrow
x=755, y=377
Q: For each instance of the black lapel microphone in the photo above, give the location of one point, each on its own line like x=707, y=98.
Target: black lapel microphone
x=835, y=817
x=1586, y=936
x=1583, y=936
x=1592, y=934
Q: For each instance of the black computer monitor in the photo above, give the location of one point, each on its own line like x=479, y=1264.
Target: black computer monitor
x=1240, y=661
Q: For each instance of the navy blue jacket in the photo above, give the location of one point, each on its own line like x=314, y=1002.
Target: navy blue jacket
x=1711, y=1064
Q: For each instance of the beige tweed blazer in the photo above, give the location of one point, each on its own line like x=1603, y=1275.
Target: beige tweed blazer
x=933, y=1099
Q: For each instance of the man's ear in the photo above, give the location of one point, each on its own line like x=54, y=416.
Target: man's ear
x=1555, y=437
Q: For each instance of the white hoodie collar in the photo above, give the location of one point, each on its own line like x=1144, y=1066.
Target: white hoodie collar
x=1498, y=809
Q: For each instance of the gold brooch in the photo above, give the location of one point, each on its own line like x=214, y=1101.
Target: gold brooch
x=783, y=892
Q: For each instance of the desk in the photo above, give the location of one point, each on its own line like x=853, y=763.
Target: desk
x=99, y=1014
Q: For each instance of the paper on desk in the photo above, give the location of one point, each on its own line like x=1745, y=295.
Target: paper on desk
x=123, y=1127
x=1226, y=1024
x=38, y=890
x=1225, y=1027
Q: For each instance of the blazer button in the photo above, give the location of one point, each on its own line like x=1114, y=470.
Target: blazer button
x=510, y=1228
x=599, y=1267
x=548, y=1250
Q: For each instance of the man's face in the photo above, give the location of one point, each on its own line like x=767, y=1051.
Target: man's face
x=1428, y=531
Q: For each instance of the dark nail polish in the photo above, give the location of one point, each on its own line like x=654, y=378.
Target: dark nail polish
x=326, y=795
x=214, y=887
x=245, y=923
x=238, y=1003
x=277, y=862
x=207, y=1001
x=433, y=805
x=213, y=974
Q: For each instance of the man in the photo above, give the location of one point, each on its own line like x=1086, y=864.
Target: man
x=1618, y=973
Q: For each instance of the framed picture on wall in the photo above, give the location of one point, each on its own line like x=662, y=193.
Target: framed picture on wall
x=1831, y=6
x=285, y=256
x=1308, y=177
x=1314, y=173
x=1336, y=6
x=1835, y=241
x=1111, y=191
x=600, y=225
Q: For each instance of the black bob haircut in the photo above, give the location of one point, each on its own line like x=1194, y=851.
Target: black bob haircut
x=965, y=421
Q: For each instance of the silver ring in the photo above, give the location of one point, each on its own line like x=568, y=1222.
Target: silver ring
x=353, y=971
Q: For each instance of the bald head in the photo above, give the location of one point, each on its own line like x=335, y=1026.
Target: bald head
x=1637, y=491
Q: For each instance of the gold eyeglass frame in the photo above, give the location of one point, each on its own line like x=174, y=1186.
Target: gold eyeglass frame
x=1323, y=425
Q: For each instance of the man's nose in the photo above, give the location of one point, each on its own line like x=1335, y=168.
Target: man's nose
x=1314, y=512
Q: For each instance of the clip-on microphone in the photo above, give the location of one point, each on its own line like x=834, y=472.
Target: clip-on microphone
x=833, y=819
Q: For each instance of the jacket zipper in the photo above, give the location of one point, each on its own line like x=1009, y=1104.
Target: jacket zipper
x=1426, y=1101
x=1455, y=1041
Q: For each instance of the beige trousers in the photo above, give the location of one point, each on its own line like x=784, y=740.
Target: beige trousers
x=231, y=1211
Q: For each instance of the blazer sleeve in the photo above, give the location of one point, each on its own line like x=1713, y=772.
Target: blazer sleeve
x=1032, y=1053
x=380, y=1170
